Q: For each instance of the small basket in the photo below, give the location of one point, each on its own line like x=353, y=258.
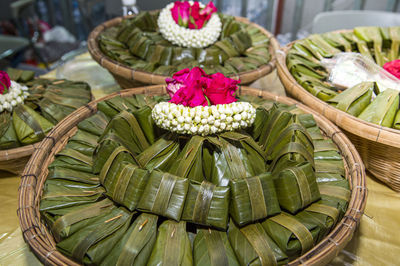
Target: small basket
x=127, y=77
x=378, y=146
x=34, y=176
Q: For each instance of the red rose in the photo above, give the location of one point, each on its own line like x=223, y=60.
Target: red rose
x=180, y=13
x=5, y=82
x=393, y=67
x=191, y=16
x=177, y=80
x=220, y=89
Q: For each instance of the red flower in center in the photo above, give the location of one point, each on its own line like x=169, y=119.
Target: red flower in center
x=192, y=16
x=5, y=82
x=393, y=67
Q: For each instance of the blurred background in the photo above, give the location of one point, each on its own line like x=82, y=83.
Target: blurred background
x=42, y=34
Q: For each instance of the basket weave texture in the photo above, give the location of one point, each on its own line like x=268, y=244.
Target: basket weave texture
x=127, y=77
x=378, y=146
x=34, y=176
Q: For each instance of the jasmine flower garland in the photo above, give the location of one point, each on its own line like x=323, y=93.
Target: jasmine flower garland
x=203, y=120
x=179, y=35
x=16, y=95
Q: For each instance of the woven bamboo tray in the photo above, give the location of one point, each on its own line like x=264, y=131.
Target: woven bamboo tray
x=130, y=78
x=378, y=146
x=34, y=176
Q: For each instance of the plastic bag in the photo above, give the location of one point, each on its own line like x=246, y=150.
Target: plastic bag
x=349, y=69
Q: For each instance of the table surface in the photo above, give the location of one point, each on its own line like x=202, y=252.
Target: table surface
x=374, y=243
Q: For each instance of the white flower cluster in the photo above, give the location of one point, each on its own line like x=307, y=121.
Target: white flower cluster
x=15, y=95
x=188, y=37
x=203, y=120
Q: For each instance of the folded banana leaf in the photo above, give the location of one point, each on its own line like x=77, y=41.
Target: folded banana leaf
x=212, y=247
x=228, y=47
x=316, y=87
x=329, y=162
x=241, y=41
x=29, y=126
x=141, y=47
x=165, y=195
x=54, y=112
x=259, y=39
x=372, y=34
x=336, y=40
x=383, y=108
x=262, y=115
x=136, y=245
x=128, y=186
x=56, y=197
x=8, y=137
x=161, y=154
x=146, y=21
x=159, y=54
x=394, y=33
x=315, y=133
x=240, y=64
x=207, y=204
x=92, y=243
x=20, y=75
x=83, y=142
x=253, y=198
x=396, y=122
x=307, y=120
x=71, y=184
x=115, y=105
x=355, y=99
x=181, y=55
x=253, y=246
x=316, y=51
x=324, y=145
x=213, y=56
x=166, y=70
x=262, y=54
x=72, y=175
x=103, y=151
x=172, y=245
x=328, y=177
x=327, y=49
x=301, y=64
x=126, y=31
x=67, y=221
x=229, y=26
x=95, y=124
x=72, y=159
x=296, y=187
x=189, y=163
x=362, y=46
x=294, y=235
x=299, y=49
x=335, y=194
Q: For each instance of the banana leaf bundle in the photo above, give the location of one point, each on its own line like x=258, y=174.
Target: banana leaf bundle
x=182, y=55
x=335, y=194
x=355, y=99
x=161, y=154
x=136, y=245
x=383, y=109
x=207, y=204
x=115, y=105
x=292, y=234
x=241, y=40
x=189, y=163
x=164, y=194
x=298, y=63
x=396, y=122
x=372, y=35
x=84, y=142
x=253, y=246
x=327, y=50
x=362, y=46
x=19, y=75
x=30, y=127
x=103, y=151
x=296, y=187
x=229, y=26
x=316, y=87
x=72, y=175
x=92, y=243
x=394, y=33
x=72, y=159
x=212, y=247
x=329, y=162
x=172, y=246
x=95, y=124
x=253, y=198
x=227, y=47
x=8, y=136
x=262, y=54
x=337, y=40
x=239, y=64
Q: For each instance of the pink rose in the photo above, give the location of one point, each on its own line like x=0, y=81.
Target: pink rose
x=192, y=17
x=5, y=82
x=208, y=10
x=175, y=83
x=180, y=13
x=220, y=89
x=393, y=67
x=190, y=92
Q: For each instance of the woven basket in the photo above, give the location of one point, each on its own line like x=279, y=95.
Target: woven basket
x=34, y=176
x=14, y=160
x=378, y=146
x=130, y=78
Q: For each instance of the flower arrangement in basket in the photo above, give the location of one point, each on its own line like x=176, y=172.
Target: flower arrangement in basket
x=29, y=108
x=204, y=176
x=186, y=34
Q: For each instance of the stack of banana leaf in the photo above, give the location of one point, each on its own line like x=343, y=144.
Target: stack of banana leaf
x=137, y=43
x=125, y=192
x=365, y=100
x=49, y=101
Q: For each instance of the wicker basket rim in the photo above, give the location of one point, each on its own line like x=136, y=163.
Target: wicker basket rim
x=41, y=242
x=147, y=77
x=352, y=124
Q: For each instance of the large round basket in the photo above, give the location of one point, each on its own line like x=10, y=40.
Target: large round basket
x=34, y=176
x=14, y=160
x=129, y=78
x=378, y=146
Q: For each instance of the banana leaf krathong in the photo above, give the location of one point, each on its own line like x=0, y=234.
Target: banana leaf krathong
x=212, y=247
x=8, y=135
x=372, y=34
x=337, y=40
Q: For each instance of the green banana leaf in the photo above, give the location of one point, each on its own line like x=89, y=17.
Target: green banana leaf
x=396, y=122
x=241, y=40
x=83, y=142
x=329, y=162
x=71, y=184
x=72, y=175
x=20, y=75
x=299, y=49
x=383, y=108
x=355, y=99
x=146, y=21
x=103, y=151
x=207, y=204
x=316, y=87
x=128, y=186
x=324, y=145
x=327, y=49
x=212, y=247
x=262, y=115
x=95, y=124
x=164, y=194
x=229, y=26
x=53, y=112
x=296, y=187
x=336, y=40
x=172, y=245
x=136, y=245
x=92, y=243
x=213, y=56
x=240, y=64
x=253, y=246
x=182, y=55
x=315, y=133
x=161, y=154
x=253, y=198
x=166, y=70
x=361, y=45
x=72, y=159
x=335, y=194
x=293, y=235
x=372, y=34
x=394, y=33
x=328, y=177
x=308, y=67
x=262, y=54
x=147, y=124
x=189, y=163
x=8, y=137
x=307, y=120
x=29, y=126
x=115, y=105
